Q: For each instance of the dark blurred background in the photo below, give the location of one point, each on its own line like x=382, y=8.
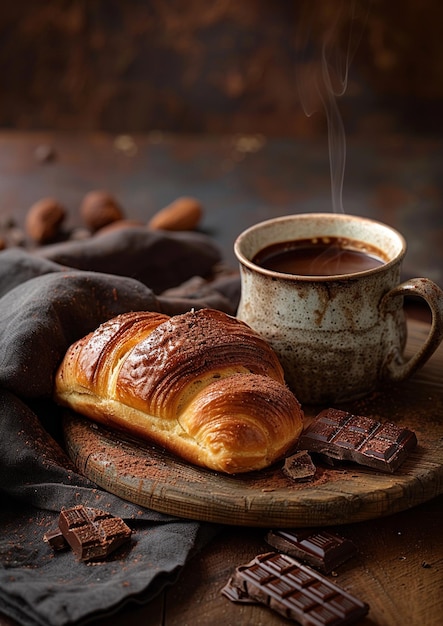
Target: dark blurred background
x=223, y=66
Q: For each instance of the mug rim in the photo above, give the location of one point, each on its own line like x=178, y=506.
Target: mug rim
x=243, y=260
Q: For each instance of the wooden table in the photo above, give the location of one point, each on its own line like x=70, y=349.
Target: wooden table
x=399, y=572
x=241, y=180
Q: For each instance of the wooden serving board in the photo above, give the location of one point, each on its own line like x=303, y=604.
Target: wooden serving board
x=148, y=476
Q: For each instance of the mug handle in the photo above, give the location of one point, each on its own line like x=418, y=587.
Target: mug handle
x=396, y=368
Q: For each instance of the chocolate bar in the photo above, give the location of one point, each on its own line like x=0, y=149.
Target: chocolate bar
x=319, y=548
x=295, y=591
x=342, y=436
x=299, y=467
x=92, y=533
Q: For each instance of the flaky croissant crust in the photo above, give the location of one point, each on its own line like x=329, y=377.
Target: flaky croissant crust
x=203, y=385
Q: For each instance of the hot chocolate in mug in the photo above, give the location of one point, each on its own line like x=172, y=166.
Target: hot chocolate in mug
x=338, y=326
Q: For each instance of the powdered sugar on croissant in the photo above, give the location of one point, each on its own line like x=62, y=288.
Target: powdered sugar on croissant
x=203, y=385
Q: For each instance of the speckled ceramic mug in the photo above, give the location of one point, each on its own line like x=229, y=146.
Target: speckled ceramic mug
x=338, y=337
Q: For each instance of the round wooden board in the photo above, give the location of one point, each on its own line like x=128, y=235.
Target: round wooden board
x=148, y=476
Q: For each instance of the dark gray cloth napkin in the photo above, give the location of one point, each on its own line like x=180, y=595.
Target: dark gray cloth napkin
x=44, y=307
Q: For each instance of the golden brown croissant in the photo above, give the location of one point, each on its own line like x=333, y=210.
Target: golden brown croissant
x=203, y=385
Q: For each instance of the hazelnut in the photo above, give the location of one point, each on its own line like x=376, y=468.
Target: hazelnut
x=182, y=214
x=100, y=208
x=120, y=225
x=44, y=153
x=44, y=219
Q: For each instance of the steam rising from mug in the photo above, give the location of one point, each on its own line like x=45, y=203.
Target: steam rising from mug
x=328, y=40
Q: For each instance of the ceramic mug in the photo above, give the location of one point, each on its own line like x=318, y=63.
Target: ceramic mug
x=338, y=336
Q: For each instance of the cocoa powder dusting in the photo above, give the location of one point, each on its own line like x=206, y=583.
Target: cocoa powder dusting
x=129, y=457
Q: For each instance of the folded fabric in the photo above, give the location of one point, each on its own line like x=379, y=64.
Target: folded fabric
x=159, y=259
x=44, y=307
x=39, y=586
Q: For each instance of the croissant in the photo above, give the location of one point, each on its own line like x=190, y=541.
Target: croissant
x=203, y=385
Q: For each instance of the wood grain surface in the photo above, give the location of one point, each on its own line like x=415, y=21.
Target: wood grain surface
x=398, y=570
x=150, y=477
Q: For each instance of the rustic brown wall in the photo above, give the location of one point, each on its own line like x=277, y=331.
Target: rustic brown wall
x=225, y=65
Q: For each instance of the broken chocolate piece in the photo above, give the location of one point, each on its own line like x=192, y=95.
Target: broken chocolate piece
x=92, y=533
x=295, y=591
x=236, y=595
x=319, y=548
x=55, y=539
x=342, y=436
x=299, y=466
